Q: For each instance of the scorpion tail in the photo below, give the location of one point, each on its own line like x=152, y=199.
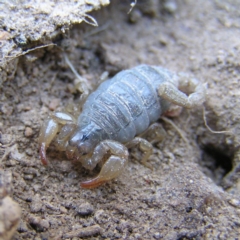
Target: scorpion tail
x=111, y=169
x=47, y=133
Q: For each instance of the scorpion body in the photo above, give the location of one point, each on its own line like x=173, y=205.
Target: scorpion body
x=112, y=116
x=127, y=104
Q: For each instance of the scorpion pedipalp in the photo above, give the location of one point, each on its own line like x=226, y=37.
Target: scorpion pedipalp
x=51, y=126
x=113, y=166
x=48, y=132
x=111, y=169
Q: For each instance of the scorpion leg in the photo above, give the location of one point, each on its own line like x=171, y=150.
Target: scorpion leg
x=49, y=130
x=64, y=135
x=155, y=133
x=170, y=92
x=113, y=166
x=144, y=146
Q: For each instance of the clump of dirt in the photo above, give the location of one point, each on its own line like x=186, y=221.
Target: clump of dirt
x=193, y=191
x=33, y=24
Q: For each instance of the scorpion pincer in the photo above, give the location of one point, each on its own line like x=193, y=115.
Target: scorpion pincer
x=115, y=114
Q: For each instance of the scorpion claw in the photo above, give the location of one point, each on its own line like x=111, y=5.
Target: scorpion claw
x=48, y=132
x=111, y=169
x=42, y=151
x=93, y=183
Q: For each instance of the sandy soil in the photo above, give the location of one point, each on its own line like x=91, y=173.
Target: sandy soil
x=194, y=190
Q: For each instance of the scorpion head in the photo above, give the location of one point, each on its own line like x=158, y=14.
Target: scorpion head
x=82, y=142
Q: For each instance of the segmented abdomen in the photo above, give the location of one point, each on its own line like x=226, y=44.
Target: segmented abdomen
x=127, y=104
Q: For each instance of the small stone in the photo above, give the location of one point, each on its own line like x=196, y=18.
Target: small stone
x=63, y=210
x=6, y=109
x=51, y=207
x=28, y=132
x=157, y=235
x=5, y=183
x=22, y=227
x=84, y=232
x=16, y=155
x=234, y=202
x=36, y=205
x=27, y=108
x=28, y=177
x=54, y=104
x=163, y=40
x=138, y=236
x=5, y=139
x=85, y=209
x=135, y=16
x=10, y=214
x=170, y=6
x=29, y=151
x=4, y=35
x=10, y=163
x=39, y=224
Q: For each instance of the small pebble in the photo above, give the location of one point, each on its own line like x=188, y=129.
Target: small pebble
x=84, y=232
x=10, y=163
x=63, y=210
x=157, y=235
x=28, y=132
x=135, y=16
x=54, y=104
x=85, y=209
x=170, y=6
x=22, y=227
x=29, y=151
x=36, y=205
x=39, y=224
x=4, y=35
x=234, y=202
x=163, y=40
x=28, y=177
x=10, y=214
x=138, y=236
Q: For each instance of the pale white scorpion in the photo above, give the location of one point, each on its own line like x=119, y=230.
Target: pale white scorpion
x=121, y=108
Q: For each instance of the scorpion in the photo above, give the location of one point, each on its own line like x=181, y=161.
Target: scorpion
x=114, y=116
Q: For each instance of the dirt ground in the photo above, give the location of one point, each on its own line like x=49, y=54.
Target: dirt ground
x=193, y=191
